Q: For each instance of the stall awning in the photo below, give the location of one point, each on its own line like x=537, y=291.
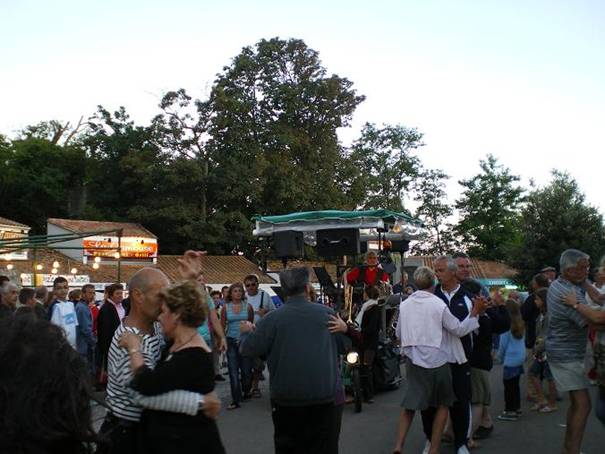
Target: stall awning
x=311, y=221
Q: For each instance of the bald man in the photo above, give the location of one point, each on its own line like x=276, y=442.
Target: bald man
x=125, y=406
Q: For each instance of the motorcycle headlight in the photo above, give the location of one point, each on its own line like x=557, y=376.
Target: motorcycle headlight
x=352, y=357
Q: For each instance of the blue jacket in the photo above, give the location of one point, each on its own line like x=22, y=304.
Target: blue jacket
x=512, y=350
x=85, y=339
x=459, y=307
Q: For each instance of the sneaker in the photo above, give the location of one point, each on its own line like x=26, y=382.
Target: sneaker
x=427, y=447
x=463, y=450
x=508, y=416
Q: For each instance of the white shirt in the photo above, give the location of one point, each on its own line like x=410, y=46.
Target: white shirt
x=255, y=302
x=120, y=309
x=450, y=295
x=450, y=348
x=599, y=307
x=64, y=315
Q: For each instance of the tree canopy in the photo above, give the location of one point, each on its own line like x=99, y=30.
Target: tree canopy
x=489, y=207
x=265, y=141
x=556, y=217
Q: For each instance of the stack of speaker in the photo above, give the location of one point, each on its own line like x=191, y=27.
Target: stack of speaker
x=330, y=243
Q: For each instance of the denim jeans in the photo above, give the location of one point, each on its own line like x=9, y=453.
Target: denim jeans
x=238, y=364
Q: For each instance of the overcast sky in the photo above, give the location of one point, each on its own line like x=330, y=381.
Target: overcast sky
x=523, y=80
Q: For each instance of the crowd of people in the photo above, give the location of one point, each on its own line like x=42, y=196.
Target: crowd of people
x=158, y=353
x=545, y=334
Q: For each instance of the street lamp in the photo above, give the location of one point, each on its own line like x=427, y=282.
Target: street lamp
x=97, y=260
x=39, y=267
x=55, y=264
x=95, y=266
x=74, y=270
x=9, y=266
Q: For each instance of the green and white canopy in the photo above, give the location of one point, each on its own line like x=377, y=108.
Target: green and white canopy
x=400, y=224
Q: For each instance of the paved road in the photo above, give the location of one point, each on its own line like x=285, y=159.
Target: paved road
x=249, y=430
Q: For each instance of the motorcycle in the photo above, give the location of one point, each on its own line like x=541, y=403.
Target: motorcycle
x=353, y=362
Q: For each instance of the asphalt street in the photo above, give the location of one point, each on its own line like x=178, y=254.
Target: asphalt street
x=249, y=430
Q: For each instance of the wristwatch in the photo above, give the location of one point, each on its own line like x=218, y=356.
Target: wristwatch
x=575, y=306
x=200, y=402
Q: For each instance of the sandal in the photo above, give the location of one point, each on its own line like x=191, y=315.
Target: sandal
x=538, y=406
x=473, y=444
x=233, y=406
x=547, y=409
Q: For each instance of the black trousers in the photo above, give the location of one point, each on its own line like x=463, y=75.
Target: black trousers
x=304, y=430
x=460, y=411
x=335, y=435
x=119, y=436
x=512, y=394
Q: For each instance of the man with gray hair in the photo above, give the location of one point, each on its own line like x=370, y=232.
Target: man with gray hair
x=301, y=357
x=566, y=335
x=10, y=293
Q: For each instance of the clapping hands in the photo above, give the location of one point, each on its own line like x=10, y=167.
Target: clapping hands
x=480, y=305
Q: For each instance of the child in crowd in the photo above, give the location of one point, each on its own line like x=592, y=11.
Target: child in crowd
x=539, y=369
x=512, y=354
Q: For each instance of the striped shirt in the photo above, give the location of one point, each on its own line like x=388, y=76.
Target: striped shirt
x=567, y=330
x=119, y=395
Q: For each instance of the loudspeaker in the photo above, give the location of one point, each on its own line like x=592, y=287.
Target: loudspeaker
x=288, y=244
x=400, y=246
x=363, y=247
x=337, y=242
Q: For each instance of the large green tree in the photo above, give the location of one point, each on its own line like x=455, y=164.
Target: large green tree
x=39, y=179
x=489, y=209
x=273, y=144
x=135, y=177
x=556, y=217
x=388, y=162
x=435, y=211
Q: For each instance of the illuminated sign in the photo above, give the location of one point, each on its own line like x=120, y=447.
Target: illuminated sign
x=131, y=247
x=13, y=235
x=48, y=279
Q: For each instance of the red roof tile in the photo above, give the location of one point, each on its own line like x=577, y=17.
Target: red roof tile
x=217, y=269
x=79, y=226
x=5, y=221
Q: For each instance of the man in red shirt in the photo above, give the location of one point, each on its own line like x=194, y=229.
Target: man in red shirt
x=368, y=274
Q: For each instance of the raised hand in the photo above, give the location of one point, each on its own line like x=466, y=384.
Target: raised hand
x=190, y=266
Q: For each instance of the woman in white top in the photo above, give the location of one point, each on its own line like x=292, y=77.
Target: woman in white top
x=430, y=339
